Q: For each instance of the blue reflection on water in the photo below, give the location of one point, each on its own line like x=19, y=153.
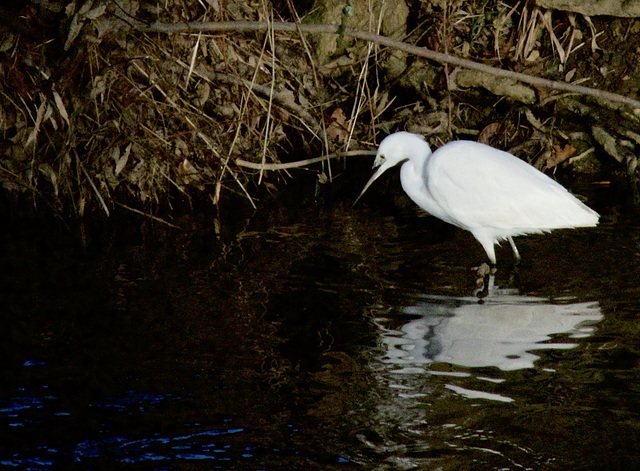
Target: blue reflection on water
x=18, y=411
x=114, y=434
x=181, y=447
x=134, y=398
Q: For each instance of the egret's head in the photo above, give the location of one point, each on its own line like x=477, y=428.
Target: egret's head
x=394, y=149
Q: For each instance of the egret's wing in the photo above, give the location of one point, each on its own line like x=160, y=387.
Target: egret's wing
x=479, y=186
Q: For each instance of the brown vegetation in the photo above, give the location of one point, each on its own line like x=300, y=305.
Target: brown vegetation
x=102, y=107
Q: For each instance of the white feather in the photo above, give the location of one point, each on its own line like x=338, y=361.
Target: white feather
x=486, y=191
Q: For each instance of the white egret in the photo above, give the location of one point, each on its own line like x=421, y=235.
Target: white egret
x=489, y=192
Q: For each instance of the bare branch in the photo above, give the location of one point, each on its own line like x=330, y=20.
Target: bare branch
x=302, y=163
x=244, y=26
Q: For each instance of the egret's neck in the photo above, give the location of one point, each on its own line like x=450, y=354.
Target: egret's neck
x=418, y=156
x=414, y=179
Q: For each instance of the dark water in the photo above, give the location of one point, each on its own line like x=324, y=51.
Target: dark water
x=313, y=335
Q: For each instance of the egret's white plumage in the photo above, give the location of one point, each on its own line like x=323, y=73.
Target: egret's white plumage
x=486, y=191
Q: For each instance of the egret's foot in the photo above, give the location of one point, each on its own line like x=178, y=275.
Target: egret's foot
x=484, y=274
x=484, y=269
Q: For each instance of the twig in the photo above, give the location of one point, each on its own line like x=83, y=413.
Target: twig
x=150, y=216
x=268, y=125
x=280, y=98
x=244, y=26
x=199, y=133
x=302, y=163
x=95, y=189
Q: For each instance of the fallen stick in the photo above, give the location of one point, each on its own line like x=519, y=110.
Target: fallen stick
x=302, y=163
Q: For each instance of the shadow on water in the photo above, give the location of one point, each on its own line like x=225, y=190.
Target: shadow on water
x=318, y=336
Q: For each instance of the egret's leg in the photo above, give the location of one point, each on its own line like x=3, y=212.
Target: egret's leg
x=487, y=244
x=516, y=254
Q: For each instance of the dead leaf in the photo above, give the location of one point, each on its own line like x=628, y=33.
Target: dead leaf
x=96, y=12
x=84, y=9
x=337, y=129
x=122, y=161
x=215, y=5
x=186, y=168
x=569, y=76
x=203, y=91
x=189, y=174
x=488, y=132
x=36, y=128
x=99, y=86
x=559, y=155
x=51, y=175
x=115, y=154
x=74, y=29
x=61, y=108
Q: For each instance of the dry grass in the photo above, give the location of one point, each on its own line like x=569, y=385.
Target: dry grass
x=129, y=120
x=149, y=119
